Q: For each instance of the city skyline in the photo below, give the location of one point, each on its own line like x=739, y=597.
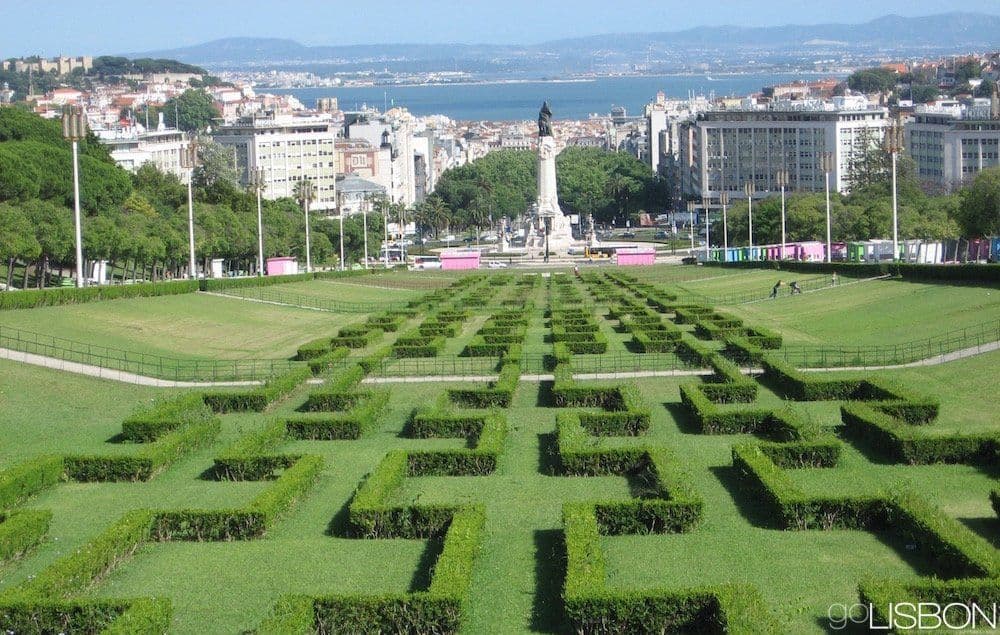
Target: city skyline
x=75, y=30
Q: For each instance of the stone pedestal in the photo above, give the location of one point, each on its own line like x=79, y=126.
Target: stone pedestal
x=547, y=205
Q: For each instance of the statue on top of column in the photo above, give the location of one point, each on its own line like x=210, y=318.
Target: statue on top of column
x=545, y=121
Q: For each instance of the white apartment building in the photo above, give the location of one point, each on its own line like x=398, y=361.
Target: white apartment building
x=664, y=118
x=950, y=147
x=289, y=149
x=722, y=150
x=392, y=133
x=134, y=146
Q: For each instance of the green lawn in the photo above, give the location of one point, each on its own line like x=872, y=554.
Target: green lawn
x=875, y=313
x=189, y=326
x=230, y=587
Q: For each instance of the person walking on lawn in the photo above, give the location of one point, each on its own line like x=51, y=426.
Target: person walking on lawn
x=774, y=290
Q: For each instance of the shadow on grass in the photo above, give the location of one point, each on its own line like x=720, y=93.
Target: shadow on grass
x=987, y=528
x=868, y=449
x=339, y=526
x=548, y=455
x=421, y=580
x=826, y=625
x=907, y=552
x=545, y=397
x=682, y=416
x=550, y=571
x=749, y=501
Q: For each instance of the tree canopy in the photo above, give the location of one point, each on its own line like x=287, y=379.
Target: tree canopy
x=610, y=185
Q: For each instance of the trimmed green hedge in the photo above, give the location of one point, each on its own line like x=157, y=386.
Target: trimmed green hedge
x=150, y=423
x=258, y=399
x=24, y=480
x=953, y=548
x=327, y=361
x=148, y=461
x=439, y=609
x=21, y=530
x=785, y=424
x=497, y=394
x=360, y=420
x=593, y=607
x=245, y=523
x=30, y=299
x=908, y=443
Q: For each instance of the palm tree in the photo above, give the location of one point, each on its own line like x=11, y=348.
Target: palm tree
x=305, y=194
x=440, y=213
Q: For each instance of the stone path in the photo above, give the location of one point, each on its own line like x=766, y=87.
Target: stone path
x=142, y=380
x=111, y=374
x=245, y=299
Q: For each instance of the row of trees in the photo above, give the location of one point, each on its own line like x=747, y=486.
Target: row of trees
x=139, y=222
x=612, y=186
x=866, y=213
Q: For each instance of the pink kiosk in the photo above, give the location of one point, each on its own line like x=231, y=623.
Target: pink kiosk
x=636, y=256
x=282, y=266
x=460, y=259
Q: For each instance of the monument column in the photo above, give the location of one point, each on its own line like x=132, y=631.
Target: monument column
x=560, y=234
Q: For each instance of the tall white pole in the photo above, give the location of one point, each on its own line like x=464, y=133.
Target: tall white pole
x=364, y=221
x=191, y=269
x=76, y=216
x=725, y=227
x=691, y=228
x=783, y=221
x=385, y=232
x=829, y=244
x=895, y=211
x=260, y=232
x=750, y=221
x=706, y=233
x=343, y=266
x=309, y=267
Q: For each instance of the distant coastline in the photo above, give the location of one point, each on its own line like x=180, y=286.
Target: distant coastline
x=518, y=99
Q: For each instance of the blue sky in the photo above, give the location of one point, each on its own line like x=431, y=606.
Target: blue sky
x=118, y=26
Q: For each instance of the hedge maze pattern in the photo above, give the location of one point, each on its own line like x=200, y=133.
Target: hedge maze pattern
x=601, y=429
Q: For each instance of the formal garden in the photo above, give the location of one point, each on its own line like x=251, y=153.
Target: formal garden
x=608, y=452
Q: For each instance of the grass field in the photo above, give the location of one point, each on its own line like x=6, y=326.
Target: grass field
x=190, y=326
x=230, y=587
x=875, y=313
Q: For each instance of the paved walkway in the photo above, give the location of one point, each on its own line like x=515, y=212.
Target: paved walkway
x=258, y=300
x=110, y=374
x=142, y=380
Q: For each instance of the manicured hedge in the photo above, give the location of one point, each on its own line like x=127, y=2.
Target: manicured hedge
x=879, y=594
x=252, y=456
x=30, y=299
x=313, y=349
x=24, y=480
x=785, y=424
x=360, y=420
x=905, y=442
x=487, y=432
x=21, y=530
x=75, y=572
x=497, y=394
x=244, y=523
x=148, y=461
x=357, y=337
x=328, y=361
x=439, y=609
x=953, y=548
x=371, y=514
x=817, y=387
x=593, y=607
x=258, y=399
x=150, y=423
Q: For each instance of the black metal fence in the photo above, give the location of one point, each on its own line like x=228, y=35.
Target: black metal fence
x=145, y=364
